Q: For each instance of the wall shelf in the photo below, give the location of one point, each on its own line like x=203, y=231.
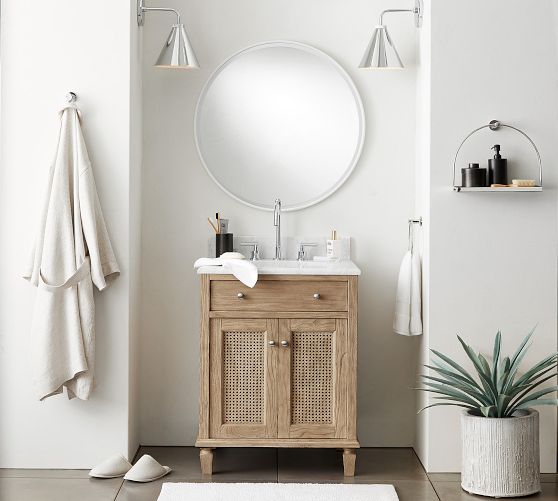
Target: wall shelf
x=494, y=125
x=487, y=189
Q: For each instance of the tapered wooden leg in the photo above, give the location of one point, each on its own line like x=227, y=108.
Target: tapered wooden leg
x=349, y=462
x=206, y=461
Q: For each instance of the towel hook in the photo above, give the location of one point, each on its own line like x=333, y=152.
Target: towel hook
x=410, y=236
x=71, y=97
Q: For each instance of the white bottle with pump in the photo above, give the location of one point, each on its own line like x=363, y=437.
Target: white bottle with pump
x=333, y=246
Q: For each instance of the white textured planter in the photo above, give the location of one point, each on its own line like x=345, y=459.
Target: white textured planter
x=501, y=455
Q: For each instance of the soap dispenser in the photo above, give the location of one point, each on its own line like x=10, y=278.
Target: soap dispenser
x=497, y=168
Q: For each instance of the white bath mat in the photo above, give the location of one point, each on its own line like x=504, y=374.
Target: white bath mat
x=276, y=492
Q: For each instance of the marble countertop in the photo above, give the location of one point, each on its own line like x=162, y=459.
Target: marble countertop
x=291, y=267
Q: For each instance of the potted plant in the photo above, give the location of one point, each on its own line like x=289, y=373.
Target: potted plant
x=499, y=429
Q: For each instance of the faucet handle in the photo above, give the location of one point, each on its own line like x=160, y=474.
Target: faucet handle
x=301, y=254
x=255, y=252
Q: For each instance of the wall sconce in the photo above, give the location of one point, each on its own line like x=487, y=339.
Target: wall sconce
x=381, y=53
x=177, y=51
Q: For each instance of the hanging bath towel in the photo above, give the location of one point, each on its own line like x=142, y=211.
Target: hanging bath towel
x=408, y=308
x=72, y=251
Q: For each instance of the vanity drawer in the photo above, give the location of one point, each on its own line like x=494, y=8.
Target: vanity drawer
x=280, y=295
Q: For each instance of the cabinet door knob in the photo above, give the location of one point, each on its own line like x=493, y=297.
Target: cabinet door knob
x=271, y=343
x=317, y=295
x=240, y=295
x=284, y=344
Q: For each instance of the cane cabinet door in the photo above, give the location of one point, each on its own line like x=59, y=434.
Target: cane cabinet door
x=243, y=378
x=312, y=378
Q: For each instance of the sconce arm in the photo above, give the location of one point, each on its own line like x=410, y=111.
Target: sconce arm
x=142, y=9
x=163, y=9
x=388, y=11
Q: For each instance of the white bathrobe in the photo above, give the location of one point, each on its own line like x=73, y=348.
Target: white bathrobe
x=72, y=251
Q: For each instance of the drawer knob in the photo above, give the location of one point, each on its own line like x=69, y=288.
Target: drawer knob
x=317, y=295
x=271, y=343
x=284, y=344
x=240, y=295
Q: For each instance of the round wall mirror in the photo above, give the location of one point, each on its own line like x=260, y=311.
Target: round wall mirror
x=279, y=120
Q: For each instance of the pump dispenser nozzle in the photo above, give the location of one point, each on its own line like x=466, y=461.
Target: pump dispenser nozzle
x=496, y=149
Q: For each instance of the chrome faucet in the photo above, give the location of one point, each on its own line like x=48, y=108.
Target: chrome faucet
x=301, y=254
x=277, y=224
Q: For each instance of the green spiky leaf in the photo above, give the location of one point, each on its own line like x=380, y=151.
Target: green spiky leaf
x=496, y=357
x=453, y=364
x=470, y=390
x=488, y=411
x=532, y=403
x=484, y=377
x=444, y=404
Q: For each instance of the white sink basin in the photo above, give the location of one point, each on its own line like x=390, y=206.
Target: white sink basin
x=289, y=264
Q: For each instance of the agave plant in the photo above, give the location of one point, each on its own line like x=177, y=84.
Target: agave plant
x=499, y=390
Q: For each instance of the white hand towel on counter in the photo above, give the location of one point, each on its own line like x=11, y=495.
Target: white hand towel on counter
x=72, y=251
x=243, y=270
x=408, y=304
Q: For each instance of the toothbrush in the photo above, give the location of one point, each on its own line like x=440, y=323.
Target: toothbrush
x=218, y=222
x=212, y=225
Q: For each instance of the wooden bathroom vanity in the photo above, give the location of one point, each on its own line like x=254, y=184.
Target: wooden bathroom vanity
x=278, y=363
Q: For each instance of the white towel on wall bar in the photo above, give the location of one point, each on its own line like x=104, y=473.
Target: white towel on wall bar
x=408, y=303
x=72, y=251
x=243, y=270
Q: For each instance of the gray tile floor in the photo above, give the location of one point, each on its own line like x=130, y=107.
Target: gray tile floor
x=399, y=467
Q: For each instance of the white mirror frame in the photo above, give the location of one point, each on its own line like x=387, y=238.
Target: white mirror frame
x=351, y=85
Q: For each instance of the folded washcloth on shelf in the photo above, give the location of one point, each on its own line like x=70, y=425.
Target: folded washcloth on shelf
x=243, y=270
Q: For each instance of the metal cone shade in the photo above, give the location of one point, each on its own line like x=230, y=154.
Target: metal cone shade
x=381, y=52
x=177, y=51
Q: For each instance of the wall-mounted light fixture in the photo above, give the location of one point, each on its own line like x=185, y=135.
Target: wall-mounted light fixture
x=381, y=53
x=177, y=51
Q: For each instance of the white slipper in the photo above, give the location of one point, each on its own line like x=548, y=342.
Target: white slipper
x=146, y=469
x=113, y=467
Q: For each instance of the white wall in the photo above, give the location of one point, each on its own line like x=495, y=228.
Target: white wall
x=373, y=206
x=48, y=49
x=492, y=257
